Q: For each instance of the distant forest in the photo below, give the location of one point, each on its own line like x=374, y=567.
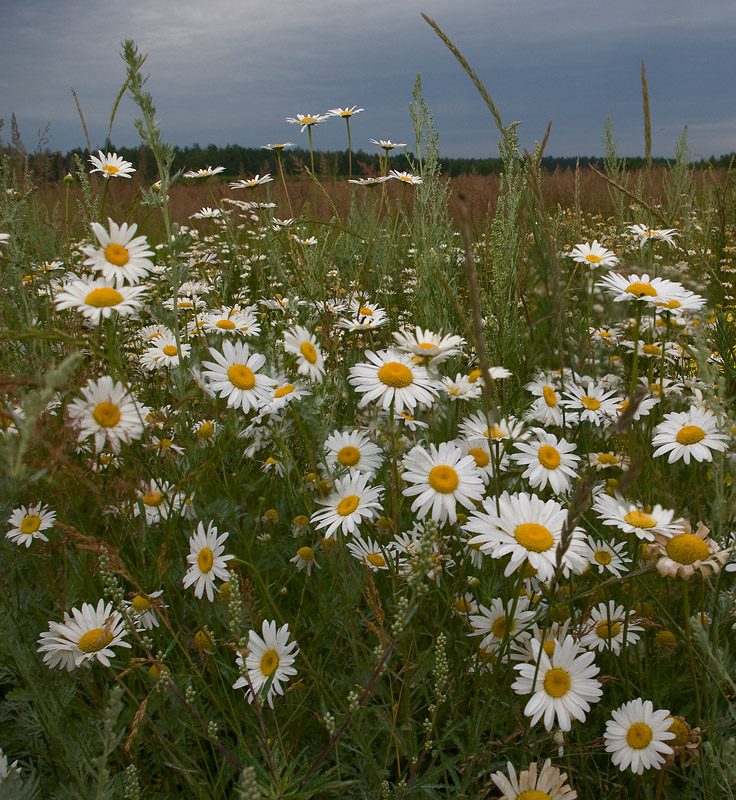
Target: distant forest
x=241, y=162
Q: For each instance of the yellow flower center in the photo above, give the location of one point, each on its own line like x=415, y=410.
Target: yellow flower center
x=103, y=298
x=687, y=548
x=110, y=169
x=365, y=312
x=225, y=324
x=140, y=603
x=347, y=505
x=594, y=259
x=500, y=626
x=607, y=458
x=428, y=346
x=284, y=390
x=606, y=631
x=269, y=662
x=481, y=456
x=602, y=557
x=152, y=498
x=204, y=640
x=639, y=289
x=605, y=334
x=443, y=479
x=474, y=375
x=348, y=456
x=640, y=519
x=169, y=350
x=665, y=638
x=557, y=682
x=462, y=606
x=639, y=736
x=549, y=647
x=185, y=304
x=205, y=430
x=591, y=403
x=309, y=351
x=534, y=537
x=305, y=553
x=117, y=255
x=205, y=560
x=106, y=414
x=533, y=794
x=95, y=640
x=690, y=434
x=682, y=734
x=30, y=524
x=241, y=377
x=376, y=559
x=395, y=374
x=670, y=304
x=301, y=520
x=549, y=458
x=550, y=396
x=651, y=350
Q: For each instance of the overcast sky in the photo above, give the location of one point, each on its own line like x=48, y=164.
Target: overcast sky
x=230, y=71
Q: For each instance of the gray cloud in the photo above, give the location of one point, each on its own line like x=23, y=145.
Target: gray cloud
x=231, y=71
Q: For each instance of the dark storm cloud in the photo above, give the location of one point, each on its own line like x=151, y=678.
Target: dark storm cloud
x=231, y=71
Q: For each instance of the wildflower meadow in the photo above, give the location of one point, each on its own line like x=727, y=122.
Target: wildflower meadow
x=377, y=503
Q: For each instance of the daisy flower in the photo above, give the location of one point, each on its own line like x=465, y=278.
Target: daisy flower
x=345, y=112
x=88, y=634
x=689, y=434
x=206, y=561
x=207, y=172
x=643, y=521
x=143, y=610
x=307, y=120
x=686, y=553
x=562, y=685
x=601, y=461
x=527, y=529
x=164, y=354
x=481, y=451
x=283, y=393
x=391, y=377
x=353, y=450
x=499, y=623
x=304, y=559
x=593, y=255
x=230, y=320
x=368, y=552
x=251, y=183
x=303, y=345
x=460, y=388
x=441, y=478
x=157, y=500
x=369, y=181
x=207, y=213
x=636, y=287
x=593, y=403
x=351, y=502
x=429, y=347
x=549, y=784
x=605, y=628
x=233, y=375
x=27, y=522
x=277, y=148
x=120, y=257
x=386, y=144
x=6, y=768
x=476, y=426
x=269, y=661
x=107, y=412
x=4, y=237
x=405, y=177
x=96, y=299
x=548, y=460
x=606, y=557
x=646, y=234
x=111, y=165
x=637, y=736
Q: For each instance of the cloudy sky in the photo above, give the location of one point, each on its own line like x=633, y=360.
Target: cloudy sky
x=230, y=71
